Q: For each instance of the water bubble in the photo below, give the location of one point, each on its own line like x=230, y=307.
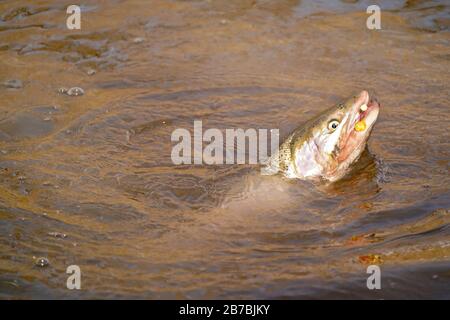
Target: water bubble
x=41, y=262
x=57, y=235
x=63, y=90
x=138, y=40
x=75, y=91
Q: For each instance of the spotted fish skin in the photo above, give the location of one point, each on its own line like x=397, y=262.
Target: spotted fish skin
x=325, y=146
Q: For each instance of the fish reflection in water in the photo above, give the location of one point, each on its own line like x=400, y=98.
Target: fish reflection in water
x=86, y=178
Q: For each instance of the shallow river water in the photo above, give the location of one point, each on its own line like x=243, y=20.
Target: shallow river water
x=88, y=179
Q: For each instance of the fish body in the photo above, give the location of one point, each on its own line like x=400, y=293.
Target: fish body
x=325, y=147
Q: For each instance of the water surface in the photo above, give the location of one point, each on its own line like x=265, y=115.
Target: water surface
x=88, y=180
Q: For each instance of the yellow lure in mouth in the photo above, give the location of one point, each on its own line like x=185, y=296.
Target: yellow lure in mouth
x=360, y=125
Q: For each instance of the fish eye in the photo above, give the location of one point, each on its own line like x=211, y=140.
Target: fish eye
x=333, y=124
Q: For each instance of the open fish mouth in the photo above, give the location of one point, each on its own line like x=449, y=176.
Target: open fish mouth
x=366, y=109
x=364, y=114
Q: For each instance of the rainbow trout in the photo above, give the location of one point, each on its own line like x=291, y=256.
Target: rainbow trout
x=325, y=147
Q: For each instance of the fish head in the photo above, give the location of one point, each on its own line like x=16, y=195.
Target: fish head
x=336, y=138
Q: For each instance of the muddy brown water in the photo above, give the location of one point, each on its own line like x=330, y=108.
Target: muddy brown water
x=88, y=180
